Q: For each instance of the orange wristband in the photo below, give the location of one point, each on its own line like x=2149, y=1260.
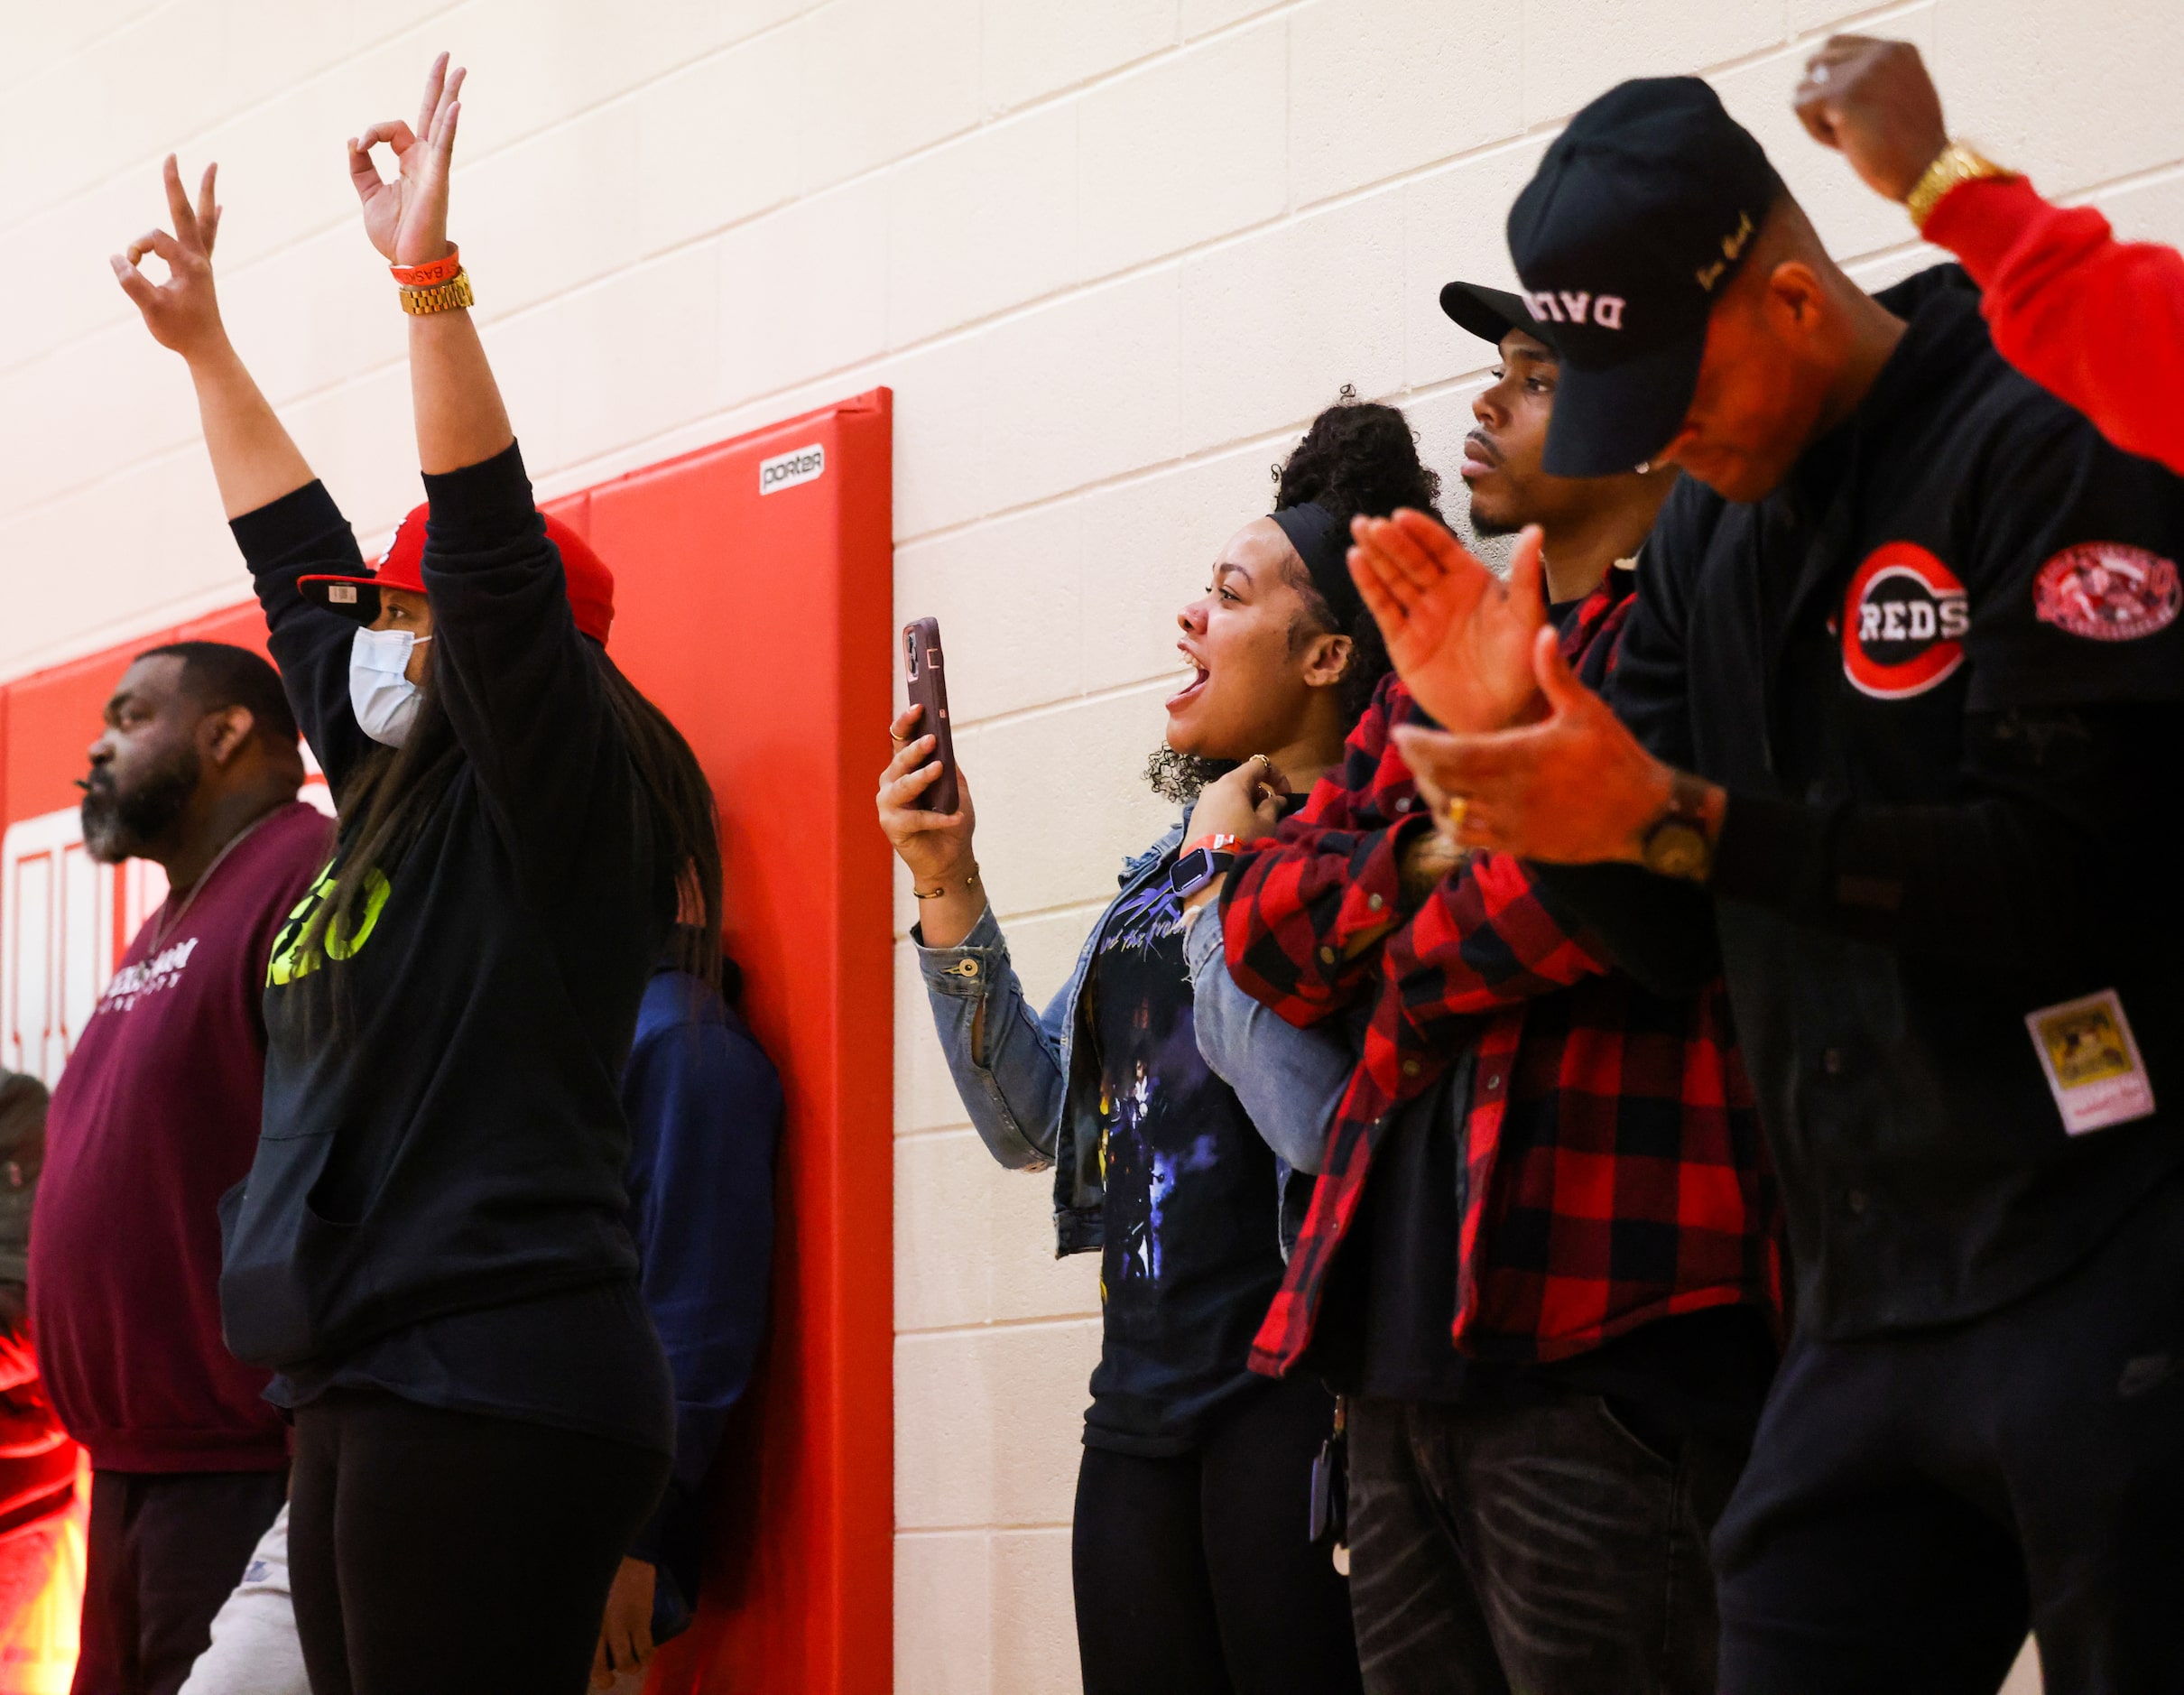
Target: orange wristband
x=431, y=275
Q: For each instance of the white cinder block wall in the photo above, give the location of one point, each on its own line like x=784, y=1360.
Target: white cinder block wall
x=1111, y=254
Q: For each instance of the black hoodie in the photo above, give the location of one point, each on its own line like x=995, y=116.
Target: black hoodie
x=451, y=1138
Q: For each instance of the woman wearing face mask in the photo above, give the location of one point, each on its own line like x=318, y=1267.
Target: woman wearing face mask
x=1193, y=1571
x=431, y=1249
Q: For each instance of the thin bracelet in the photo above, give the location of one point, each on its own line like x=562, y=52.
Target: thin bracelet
x=431, y=274
x=969, y=883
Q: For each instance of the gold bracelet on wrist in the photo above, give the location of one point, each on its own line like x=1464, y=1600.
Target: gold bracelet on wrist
x=969, y=883
x=452, y=296
x=1955, y=163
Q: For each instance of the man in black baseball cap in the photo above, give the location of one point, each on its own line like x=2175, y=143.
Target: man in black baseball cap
x=1898, y=712
x=1510, y=1525
x=1631, y=240
x=1586, y=523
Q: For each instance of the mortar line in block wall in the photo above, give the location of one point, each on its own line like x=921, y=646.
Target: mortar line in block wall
x=989, y=1327
x=2152, y=176
x=987, y=120
x=436, y=19
x=1087, y=908
x=125, y=626
x=1020, y=716
x=249, y=107
x=554, y=478
x=84, y=50
x=934, y=1132
x=1855, y=21
x=936, y=1533
x=1000, y=316
x=1546, y=128
x=1292, y=209
x=1262, y=441
x=612, y=460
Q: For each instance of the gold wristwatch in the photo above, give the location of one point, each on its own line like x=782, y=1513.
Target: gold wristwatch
x=451, y=296
x=1953, y=164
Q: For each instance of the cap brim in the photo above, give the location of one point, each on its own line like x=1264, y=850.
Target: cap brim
x=1613, y=420
x=1490, y=314
x=363, y=605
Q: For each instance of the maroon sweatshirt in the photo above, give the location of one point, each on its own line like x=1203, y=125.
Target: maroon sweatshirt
x=155, y=1117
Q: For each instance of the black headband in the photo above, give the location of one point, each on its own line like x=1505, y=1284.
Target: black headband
x=1323, y=542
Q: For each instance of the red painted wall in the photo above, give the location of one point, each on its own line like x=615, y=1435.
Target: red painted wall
x=762, y=624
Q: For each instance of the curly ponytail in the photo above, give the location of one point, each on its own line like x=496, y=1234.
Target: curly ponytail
x=1357, y=457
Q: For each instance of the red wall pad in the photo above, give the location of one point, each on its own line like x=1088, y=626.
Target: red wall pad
x=754, y=594
x=755, y=603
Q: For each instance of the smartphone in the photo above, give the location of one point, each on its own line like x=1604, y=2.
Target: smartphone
x=928, y=680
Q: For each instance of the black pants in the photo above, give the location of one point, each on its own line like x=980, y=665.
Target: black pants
x=1197, y=1576
x=1913, y=1501
x=1540, y=1548
x=163, y=1552
x=430, y=1550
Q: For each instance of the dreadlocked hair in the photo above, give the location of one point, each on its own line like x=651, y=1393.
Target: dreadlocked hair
x=1357, y=457
x=387, y=801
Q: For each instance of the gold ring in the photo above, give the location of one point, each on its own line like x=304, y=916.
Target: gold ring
x=898, y=741
x=1264, y=760
x=1454, y=811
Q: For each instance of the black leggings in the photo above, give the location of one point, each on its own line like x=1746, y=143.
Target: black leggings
x=432, y=1550
x=1195, y=1576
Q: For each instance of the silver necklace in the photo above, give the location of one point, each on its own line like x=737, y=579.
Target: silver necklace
x=171, y=922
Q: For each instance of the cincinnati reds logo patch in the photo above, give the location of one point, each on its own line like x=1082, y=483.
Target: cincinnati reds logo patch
x=2107, y=591
x=1903, y=623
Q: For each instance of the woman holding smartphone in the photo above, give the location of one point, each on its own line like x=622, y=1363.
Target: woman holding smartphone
x=1193, y=1568
x=431, y=1249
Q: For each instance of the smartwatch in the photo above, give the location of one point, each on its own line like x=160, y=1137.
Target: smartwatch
x=1194, y=870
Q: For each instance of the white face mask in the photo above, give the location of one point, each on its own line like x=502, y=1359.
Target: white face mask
x=384, y=700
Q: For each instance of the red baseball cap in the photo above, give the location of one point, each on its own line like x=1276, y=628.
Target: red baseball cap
x=591, y=586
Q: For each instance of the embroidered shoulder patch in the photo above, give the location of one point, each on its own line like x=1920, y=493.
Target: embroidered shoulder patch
x=2108, y=591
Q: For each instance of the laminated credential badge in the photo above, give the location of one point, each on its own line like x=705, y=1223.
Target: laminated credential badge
x=2093, y=1065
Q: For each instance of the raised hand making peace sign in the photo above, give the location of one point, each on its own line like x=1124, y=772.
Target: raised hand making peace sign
x=407, y=218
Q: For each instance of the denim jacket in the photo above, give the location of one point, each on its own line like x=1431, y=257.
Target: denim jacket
x=1289, y=1080
x=1030, y=1080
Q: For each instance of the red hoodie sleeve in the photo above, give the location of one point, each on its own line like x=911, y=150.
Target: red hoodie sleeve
x=2096, y=320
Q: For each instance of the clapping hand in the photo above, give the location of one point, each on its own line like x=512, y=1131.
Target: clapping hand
x=182, y=313
x=1459, y=636
x=407, y=218
x=1573, y=788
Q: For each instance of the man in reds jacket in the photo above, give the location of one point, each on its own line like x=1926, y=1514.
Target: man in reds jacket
x=155, y=1117
x=1897, y=715
x=2094, y=319
x=1538, y=1260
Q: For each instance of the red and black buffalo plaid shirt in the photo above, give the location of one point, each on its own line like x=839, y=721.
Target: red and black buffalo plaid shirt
x=1613, y=1148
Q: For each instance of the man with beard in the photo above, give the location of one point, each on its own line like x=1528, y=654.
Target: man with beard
x=155, y=1117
